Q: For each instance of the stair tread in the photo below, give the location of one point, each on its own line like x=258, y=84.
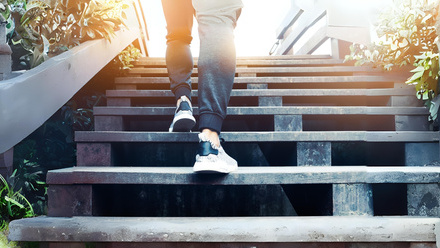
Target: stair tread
x=272, y=92
x=261, y=175
x=225, y=229
x=317, y=69
x=286, y=110
x=262, y=80
x=294, y=136
x=254, y=62
x=263, y=57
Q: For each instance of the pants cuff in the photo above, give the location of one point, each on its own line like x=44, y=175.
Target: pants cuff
x=210, y=121
x=182, y=91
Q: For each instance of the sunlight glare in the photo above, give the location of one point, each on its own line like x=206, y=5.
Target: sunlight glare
x=254, y=35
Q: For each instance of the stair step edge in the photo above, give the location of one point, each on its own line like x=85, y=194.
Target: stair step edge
x=294, y=136
x=272, y=92
x=264, y=80
x=280, y=110
x=262, y=175
x=225, y=229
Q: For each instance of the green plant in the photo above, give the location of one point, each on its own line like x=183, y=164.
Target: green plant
x=426, y=74
x=27, y=178
x=39, y=29
x=65, y=24
x=408, y=35
x=124, y=61
x=4, y=243
x=403, y=32
x=13, y=205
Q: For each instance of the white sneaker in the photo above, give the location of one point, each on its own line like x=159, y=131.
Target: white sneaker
x=183, y=120
x=212, y=159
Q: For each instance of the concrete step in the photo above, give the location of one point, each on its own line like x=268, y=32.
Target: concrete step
x=311, y=71
x=263, y=57
x=226, y=230
x=261, y=175
x=273, y=93
x=265, y=61
x=298, y=118
x=291, y=136
x=310, y=81
x=286, y=110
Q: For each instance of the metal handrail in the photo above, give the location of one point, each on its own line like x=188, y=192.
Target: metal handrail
x=301, y=20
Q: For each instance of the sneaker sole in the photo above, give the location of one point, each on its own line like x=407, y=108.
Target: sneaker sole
x=183, y=124
x=211, y=169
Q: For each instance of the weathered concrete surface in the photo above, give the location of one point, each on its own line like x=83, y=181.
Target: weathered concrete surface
x=314, y=154
x=270, y=101
x=421, y=154
x=311, y=71
x=288, y=122
x=285, y=110
x=349, y=136
x=382, y=80
x=412, y=123
x=69, y=200
x=95, y=154
x=225, y=229
x=352, y=199
x=250, y=245
x=246, y=175
x=271, y=93
x=423, y=200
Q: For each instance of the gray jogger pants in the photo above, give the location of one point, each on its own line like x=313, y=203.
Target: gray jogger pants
x=216, y=65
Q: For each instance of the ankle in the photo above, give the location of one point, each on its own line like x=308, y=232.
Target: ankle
x=211, y=136
x=181, y=99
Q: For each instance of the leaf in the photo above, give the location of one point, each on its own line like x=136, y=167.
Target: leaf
x=416, y=75
x=91, y=33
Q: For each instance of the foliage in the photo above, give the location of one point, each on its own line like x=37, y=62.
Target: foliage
x=45, y=28
x=425, y=75
x=27, y=177
x=124, y=61
x=65, y=24
x=408, y=35
x=4, y=243
x=13, y=205
x=51, y=147
x=403, y=32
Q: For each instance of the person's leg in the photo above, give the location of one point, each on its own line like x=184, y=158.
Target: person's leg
x=217, y=59
x=216, y=65
x=179, y=17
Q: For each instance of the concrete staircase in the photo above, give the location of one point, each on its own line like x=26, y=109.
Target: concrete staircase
x=330, y=155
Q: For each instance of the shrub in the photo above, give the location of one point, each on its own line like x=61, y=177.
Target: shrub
x=408, y=35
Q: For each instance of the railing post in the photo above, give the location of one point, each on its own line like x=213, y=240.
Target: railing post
x=6, y=160
x=5, y=54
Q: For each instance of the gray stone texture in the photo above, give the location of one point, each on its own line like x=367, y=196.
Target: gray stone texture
x=69, y=200
x=322, y=229
x=352, y=199
x=314, y=153
x=94, y=154
x=411, y=123
x=423, y=199
x=270, y=101
x=288, y=122
x=109, y=123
